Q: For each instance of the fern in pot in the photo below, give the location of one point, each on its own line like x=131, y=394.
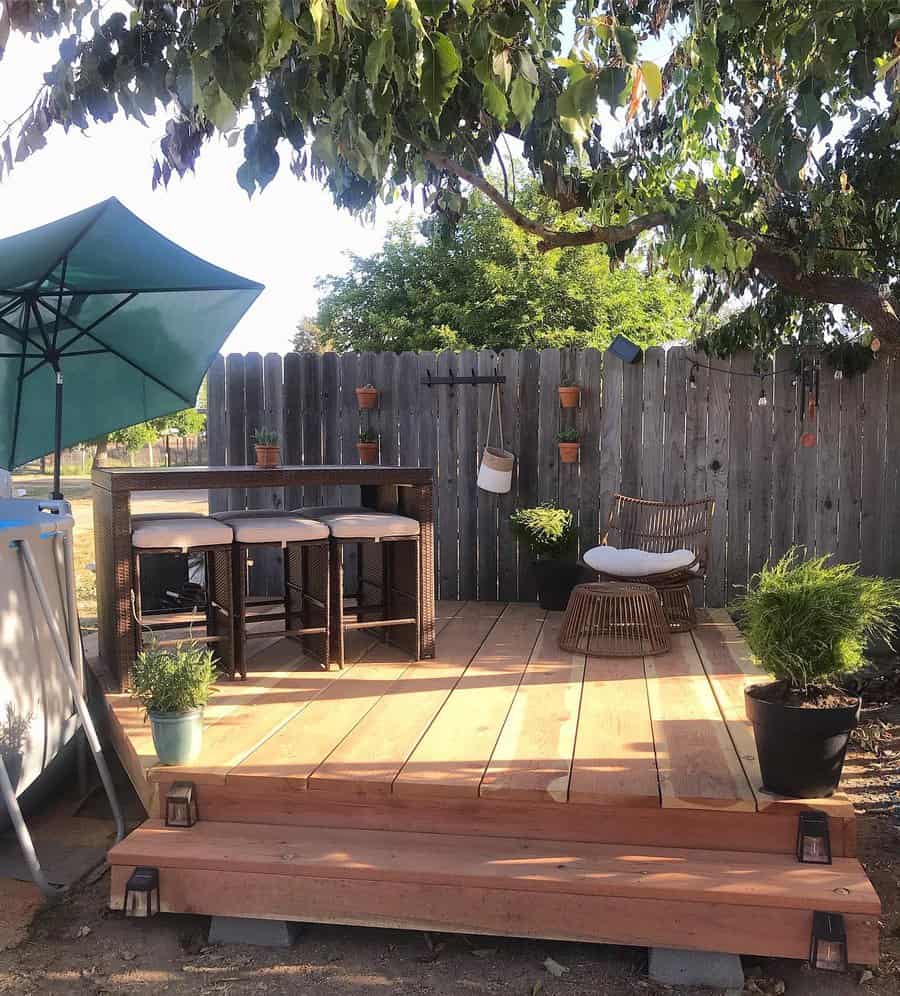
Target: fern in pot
x=550, y=535
x=173, y=684
x=807, y=622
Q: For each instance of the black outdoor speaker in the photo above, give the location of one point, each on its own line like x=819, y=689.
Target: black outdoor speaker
x=625, y=349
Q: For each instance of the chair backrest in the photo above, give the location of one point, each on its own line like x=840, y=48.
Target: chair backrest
x=659, y=526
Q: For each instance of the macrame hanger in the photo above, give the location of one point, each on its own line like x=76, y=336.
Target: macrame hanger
x=491, y=417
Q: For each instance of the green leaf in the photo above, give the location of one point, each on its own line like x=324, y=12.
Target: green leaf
x=527, y=67
x=375, y=56
x=653, y=80
x=440, y=72
x=434, y=8
x=507, y=26
x=628, y=44
x=319, y=13
x=217, y=107
x=612, y=86
x=208, y=33
x=522, y=98
x=502, y=68
x=494, y=101
x=467, y=5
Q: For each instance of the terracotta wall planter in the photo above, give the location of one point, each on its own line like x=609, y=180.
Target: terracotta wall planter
x=568, y=396
x=366, y=398
x=568, y=452
x=368, y=452
x=266, y=456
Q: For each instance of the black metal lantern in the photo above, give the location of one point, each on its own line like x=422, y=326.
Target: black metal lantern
x=142, y=893
x=181, y=805
x=625, y=349
x=828, y=949
x=813, y=838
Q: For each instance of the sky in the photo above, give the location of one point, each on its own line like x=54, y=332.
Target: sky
x=285, y=237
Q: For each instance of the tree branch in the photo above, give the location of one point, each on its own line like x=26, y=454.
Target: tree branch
x=549, y=237
x=862, y=297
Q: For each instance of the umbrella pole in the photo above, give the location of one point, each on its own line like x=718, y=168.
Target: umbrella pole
x=56, y=493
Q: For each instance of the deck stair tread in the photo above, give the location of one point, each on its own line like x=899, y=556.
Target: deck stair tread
x=735, y=878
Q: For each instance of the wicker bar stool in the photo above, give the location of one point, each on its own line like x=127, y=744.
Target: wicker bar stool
x=184, y=535
x=305, y=596
x=388, y=599
x=611, y=619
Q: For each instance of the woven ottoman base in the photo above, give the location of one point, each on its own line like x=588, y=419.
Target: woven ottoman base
x=678, y=605
x=614, y=619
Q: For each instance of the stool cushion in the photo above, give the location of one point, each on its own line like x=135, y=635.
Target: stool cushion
x=636, y=563
x=369, y=525
x=180, y=534
x=266, y=527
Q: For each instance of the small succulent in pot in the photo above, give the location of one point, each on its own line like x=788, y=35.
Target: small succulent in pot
x=807, y=623
x=550, y=534
x=569, y=444
x=366, y=397
x=173, y=684
x=266, y=444
x=367, y=446
x=569, y=394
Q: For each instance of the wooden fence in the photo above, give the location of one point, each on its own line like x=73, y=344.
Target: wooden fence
x=645, y=430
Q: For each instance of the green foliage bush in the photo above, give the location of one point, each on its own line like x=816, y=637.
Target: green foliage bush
x=568, y=435
x=173, y=679
x=807, y=621
x=368, y=436
x=548, y=531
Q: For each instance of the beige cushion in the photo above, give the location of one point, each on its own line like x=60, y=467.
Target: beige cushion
x=369, y=525
x=317, y=511
x=272, y=527
x=636, y=563
x=179, y=533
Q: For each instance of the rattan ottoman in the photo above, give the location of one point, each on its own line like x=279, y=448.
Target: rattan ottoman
x=614, y=619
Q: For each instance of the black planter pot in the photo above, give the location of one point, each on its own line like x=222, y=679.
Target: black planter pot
x=801, y=751
x=555, y=581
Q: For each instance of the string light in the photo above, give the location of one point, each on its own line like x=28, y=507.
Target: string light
x=762, y=400
x=839, y=374
x=692, y=380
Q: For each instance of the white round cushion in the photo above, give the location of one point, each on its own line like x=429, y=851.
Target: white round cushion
x=267, y=527
x=636, y=563
x=369, y=525
x=179, y=533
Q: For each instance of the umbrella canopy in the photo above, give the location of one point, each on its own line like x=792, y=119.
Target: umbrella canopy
x=127, y=319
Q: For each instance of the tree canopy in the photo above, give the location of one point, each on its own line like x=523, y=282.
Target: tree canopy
x=757, y=141
x=484, y=284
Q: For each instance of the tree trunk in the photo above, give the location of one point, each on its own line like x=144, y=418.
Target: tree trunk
x=100, y=452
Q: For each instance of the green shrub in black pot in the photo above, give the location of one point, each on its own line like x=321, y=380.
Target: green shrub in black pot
x=807, y=622
x=550, y=535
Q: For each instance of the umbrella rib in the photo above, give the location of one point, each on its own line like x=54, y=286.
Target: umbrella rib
x=15, y=438
x=64, y=255
x=140, y=369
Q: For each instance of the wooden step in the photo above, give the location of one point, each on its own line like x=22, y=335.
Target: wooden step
x=758, y=904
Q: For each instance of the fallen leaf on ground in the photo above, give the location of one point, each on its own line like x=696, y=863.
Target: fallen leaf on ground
x=554, y=968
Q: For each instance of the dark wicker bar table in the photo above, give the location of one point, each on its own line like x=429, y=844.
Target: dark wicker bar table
x=407, y=490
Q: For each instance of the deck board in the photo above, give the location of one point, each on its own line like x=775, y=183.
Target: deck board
x=533, y=757
x=615, y=762
x=451, y=758
x=695, y=757
x=368, y=760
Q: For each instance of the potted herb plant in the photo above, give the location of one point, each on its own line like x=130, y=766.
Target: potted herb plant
x=367, y=446
x=569, y=394
x=14, y=732
x=366, y=397
x=266, y=444
x=569, y=445
x=807, y=622
x=173, y=684
x=549, y=533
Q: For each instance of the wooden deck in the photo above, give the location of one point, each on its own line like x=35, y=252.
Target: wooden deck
x=626, y=782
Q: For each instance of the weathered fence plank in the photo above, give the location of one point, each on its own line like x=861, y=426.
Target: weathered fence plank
x=215, y=428
x=644, y=431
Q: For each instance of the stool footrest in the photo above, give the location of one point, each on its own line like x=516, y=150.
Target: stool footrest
x=380, y=623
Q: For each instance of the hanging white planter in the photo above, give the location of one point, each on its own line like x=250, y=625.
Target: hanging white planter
x=495, y=472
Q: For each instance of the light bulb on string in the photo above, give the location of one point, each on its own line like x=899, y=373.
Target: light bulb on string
x=762, y=401
x=692, y=380
x=839, y=374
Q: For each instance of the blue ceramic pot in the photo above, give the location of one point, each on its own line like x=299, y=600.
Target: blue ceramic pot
x=177, y=736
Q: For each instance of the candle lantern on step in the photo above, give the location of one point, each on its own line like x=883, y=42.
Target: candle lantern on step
x=813, y=839
x=181, y=805
x=828, y=949
x=142, y=893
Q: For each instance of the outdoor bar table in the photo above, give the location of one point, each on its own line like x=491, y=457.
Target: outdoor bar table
x=407, y=490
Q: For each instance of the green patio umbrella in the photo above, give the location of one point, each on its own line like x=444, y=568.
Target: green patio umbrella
x=126, y=319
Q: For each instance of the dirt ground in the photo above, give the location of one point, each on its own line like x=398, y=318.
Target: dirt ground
x=78, y=946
